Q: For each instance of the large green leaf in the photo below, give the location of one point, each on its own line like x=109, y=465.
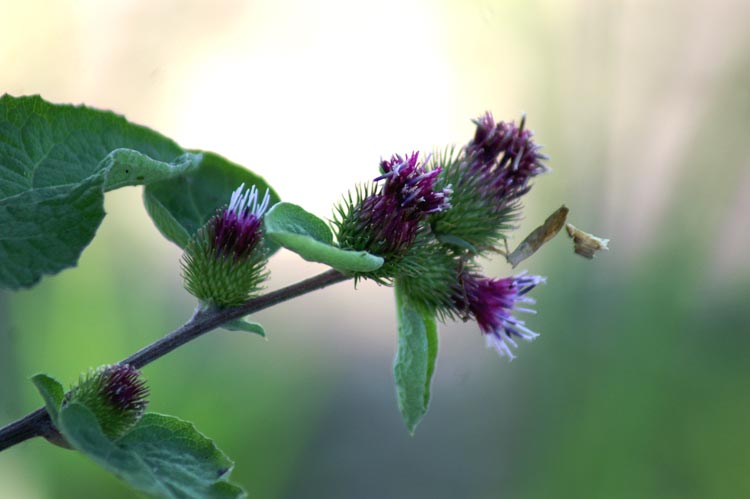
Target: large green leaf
x=180, y=205
x=56, y=162
x=310, y=237
x=415, y=359
x=162, y=456
x=54, y=167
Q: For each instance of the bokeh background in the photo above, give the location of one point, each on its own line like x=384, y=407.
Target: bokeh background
x=639, y=386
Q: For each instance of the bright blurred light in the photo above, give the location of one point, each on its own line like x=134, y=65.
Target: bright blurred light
x=313, y=95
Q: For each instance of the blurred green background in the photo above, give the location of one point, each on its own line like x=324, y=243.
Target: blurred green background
x=639, y=386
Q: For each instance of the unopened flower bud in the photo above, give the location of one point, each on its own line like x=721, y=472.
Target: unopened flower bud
x=115, y=394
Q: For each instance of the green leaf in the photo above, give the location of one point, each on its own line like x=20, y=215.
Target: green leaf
x=293, y=219
x=180, y=205
x=56, y=162
x=430, y=324
x=244, y=325
x=415, y=359
x=51, y=391
x=310, y=237
x=162, y=456
x=45, y=230
x=53, y=173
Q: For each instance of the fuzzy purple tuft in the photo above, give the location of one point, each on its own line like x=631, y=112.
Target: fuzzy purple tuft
x=237, y=229
x=504, y=158
x=124, y=389
x=407, y=182
x=392, y=215
x=492, y=303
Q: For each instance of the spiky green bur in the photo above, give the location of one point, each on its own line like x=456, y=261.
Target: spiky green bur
x=353, y=232
x=428, y=275
x=224, y=262
x=115, y=394
x=488, y=177
x=218, y=279
x=476, y=222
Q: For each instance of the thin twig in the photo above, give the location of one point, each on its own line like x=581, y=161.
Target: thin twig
x=38, y=424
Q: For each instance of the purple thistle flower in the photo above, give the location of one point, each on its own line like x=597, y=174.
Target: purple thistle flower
x=492, y=303
x=386, y=221
x=237, y=229
x=503, y=157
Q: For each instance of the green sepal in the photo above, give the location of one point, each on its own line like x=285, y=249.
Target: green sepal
x=311, y=238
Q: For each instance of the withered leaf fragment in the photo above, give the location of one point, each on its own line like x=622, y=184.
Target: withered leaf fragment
x=539, y=236
x=586, y=244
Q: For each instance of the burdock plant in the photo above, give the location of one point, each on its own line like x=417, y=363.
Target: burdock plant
x=420, y=225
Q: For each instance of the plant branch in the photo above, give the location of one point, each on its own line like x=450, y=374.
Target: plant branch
x=37, y=423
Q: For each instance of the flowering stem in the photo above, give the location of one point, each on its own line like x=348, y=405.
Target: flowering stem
x=37, y=423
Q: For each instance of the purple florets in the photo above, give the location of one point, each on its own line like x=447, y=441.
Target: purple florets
x=124, y=389
x=504, y=157
x=413, y=187
x=237, y=229
x=391, y=216
x=492, y=303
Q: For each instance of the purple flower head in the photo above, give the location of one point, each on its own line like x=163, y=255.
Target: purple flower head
x=414, y=188
x=504, y=157
x=124, y=389
x=391, y=216
x=237, y=229
x=492, y=303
